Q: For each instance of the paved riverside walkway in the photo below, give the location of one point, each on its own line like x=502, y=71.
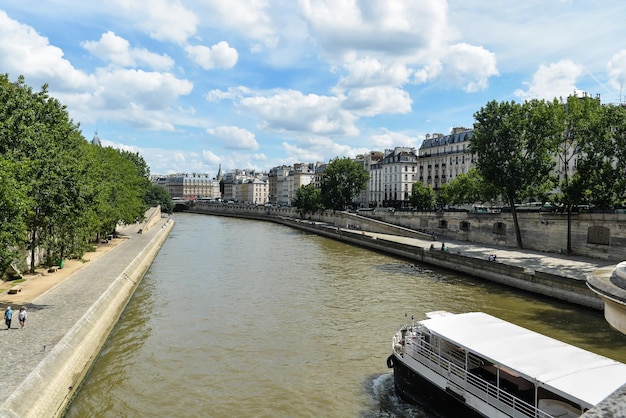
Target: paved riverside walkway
x=53, y=314
x=575, y=267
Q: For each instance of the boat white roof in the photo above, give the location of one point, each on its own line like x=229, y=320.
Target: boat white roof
x=567, y=369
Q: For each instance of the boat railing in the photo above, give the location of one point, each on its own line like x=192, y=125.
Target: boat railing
x=465, y=381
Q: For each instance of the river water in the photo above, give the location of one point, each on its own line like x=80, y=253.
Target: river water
x=241, y=318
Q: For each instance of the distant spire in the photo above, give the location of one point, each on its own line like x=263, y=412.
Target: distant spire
x=96, y=140
x=219, y=172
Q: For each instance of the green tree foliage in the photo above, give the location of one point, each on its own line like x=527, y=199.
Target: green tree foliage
x=308, y=199
x=584, y=144
x=122, y=192
x=64, y=190
x=14, y=206
x=342, y=181
x=159, y=196
x=422, y=197
x=466, y=188
x=616, y=117
x=512, y=143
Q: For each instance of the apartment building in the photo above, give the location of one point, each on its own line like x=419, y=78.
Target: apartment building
x=392, y=177
x=278, y=185
x=237, y=185
x=253, y=191
x=189, y=186
x=444, y=157
x=285, y=180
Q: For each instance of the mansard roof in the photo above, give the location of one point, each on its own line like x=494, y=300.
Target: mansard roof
x=455, y=137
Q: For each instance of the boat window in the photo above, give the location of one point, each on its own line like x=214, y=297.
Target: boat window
x=556, y=405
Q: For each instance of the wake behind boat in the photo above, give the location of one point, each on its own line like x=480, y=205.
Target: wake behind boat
x=485, y=366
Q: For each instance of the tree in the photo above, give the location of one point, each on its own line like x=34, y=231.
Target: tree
x=342, y=181
x=308, y=199
x=617, y=120
x=512, y=143
x=13, y=210
x=58, y=191
x=466, y=188
x=122, y=190
x=422, y=197
x=159, y=196
x=36, y=130
x=584, y=144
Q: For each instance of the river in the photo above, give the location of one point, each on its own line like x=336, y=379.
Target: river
x=252, y=319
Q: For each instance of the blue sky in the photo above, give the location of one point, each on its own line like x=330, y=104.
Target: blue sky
x=191, y=84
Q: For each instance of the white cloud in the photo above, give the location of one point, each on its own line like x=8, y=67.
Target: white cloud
x=290, y=110
x=210, y=157
x=391, y=28
x=370, y=71
x=147, y=90
x=24, y=52
x=250, y=18
x=554, y=80
x=220, y=55
x=469, y=67
x=372, y=101
x=116, y=50
x=163, y=20
x=146, y=100
x=232, y=93
x=412, y=39
x=313, y=149
x=389, y=139
x=617, y=70
x=233, y=137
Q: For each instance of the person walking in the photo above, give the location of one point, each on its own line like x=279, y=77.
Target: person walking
x=22, y=317
x=8, y=315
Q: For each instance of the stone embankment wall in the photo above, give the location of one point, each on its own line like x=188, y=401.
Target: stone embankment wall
x=564, y=288
x=596, y=235
x=45, y=392
x=601, y=236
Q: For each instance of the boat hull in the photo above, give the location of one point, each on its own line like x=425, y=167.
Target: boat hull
x=413, y=388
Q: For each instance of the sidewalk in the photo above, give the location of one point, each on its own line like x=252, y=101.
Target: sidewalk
x=570, y=266
x=53, y=314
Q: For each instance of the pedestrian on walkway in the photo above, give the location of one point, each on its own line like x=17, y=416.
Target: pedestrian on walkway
x=22, y=316
x=8, y=315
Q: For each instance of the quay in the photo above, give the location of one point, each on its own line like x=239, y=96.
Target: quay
x=42, y=365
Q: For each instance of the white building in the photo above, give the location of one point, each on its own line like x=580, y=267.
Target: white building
x=444, y=157
x=392, y=177
x=253, y=191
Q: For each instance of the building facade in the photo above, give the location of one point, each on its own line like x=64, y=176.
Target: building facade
x=443, y=157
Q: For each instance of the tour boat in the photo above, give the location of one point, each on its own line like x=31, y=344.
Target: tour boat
x=474, y=364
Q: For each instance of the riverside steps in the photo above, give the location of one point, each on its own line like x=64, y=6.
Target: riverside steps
x=42, y=365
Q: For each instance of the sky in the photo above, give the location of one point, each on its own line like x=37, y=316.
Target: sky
x=254, y=84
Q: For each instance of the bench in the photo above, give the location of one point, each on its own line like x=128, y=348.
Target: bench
x=53, y=269
x=14, y=290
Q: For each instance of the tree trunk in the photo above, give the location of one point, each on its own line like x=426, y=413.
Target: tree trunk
x=33, y=245
x=569, y=230
x=518, y=233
